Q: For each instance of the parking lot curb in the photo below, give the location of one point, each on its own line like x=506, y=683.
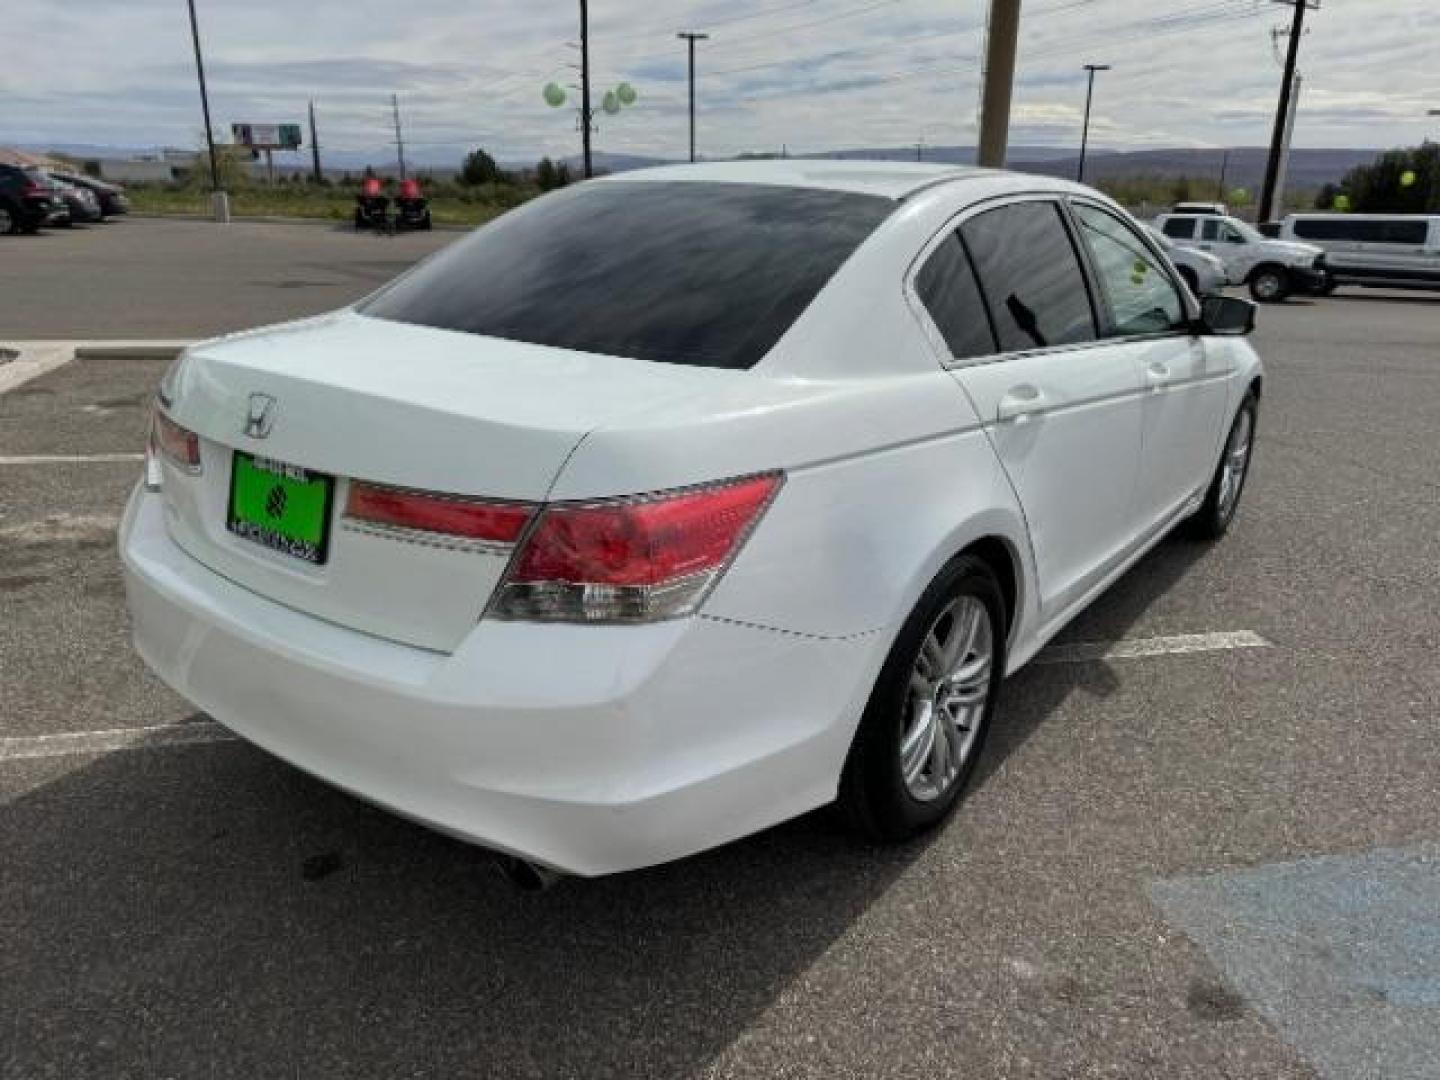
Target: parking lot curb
x=128, y=350
x=21, y=361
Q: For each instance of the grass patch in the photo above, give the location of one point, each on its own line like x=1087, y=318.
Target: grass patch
x=467, y=207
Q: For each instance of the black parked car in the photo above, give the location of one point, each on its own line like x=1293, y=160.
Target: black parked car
x=112, y=197
x=26, y=199
x=83, y=206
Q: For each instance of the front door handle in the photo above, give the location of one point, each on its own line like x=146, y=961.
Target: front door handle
x=1020, y=403
x=1157, y=374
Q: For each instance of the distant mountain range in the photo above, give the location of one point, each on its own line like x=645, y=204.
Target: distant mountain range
x=1246, y=169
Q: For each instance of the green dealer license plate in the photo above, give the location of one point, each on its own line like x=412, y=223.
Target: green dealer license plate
x=283, y=507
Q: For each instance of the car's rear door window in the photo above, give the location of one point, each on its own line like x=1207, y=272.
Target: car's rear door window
x=947, y=287
x=706, y=274
x=1030, y=275
x=1180, y=228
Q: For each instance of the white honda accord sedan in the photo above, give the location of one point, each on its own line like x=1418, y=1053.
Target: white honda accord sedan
x=676, y=504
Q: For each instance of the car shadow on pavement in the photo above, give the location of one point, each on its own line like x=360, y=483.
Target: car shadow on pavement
x=209, y=911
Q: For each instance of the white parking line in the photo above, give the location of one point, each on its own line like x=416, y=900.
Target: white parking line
x=1086, y=651
x=104, y=742
x=68, y=459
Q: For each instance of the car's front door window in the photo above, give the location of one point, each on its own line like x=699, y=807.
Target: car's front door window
x=1142, y=298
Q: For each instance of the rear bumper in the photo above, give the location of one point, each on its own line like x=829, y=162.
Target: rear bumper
x=588, y=749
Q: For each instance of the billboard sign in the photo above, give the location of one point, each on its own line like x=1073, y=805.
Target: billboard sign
x=267, y=136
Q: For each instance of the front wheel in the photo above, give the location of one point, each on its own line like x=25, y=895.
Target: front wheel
x=1213, y=519
x=1269, y=285
x=927, y=718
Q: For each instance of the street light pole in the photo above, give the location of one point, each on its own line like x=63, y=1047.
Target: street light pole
x=204, y=99
x=690, y=39
x=1085, y=133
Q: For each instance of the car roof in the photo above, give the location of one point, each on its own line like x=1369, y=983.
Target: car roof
x=888, y=179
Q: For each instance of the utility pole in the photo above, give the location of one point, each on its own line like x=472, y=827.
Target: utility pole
x=1285, y=147
x=690, y=39
x=1085, y=133
x=1224, y=174
x=585, y=85
x=315, y=146
x=218, y=199
x=1002, y=42
x=399, y=138
x=1282, y=114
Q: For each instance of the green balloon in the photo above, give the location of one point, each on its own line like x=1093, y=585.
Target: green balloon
x=1408, y=178
x=626, y=93
x=554, y=95
x=610, y=103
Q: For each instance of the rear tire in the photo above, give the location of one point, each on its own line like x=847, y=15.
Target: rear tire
x=898, y=781
x=1216, y=513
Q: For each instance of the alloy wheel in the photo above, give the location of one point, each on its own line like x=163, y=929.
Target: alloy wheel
x=945, y=704
x=1237, y=461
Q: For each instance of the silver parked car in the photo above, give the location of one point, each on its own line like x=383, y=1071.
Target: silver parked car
x=1203, y=272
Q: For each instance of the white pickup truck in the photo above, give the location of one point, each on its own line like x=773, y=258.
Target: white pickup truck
x=1274, y=269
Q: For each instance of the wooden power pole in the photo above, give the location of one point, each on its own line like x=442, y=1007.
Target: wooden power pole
x=1001, y=46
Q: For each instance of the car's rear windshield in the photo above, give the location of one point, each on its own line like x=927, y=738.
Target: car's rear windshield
x=706, y=274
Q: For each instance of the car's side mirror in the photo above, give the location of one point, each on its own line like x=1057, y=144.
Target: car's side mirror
x=1227, y=316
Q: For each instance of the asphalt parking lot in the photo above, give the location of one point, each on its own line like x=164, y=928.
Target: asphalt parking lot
x=167, y=278
x=1205, y=840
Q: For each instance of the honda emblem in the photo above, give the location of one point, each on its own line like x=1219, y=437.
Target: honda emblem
x=261, y=416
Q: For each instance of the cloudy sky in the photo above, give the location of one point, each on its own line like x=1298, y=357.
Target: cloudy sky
x=810, y=74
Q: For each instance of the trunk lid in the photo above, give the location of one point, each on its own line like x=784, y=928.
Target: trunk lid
x=355, y=398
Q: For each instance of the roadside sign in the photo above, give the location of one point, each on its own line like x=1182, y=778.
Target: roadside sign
x=267, y=136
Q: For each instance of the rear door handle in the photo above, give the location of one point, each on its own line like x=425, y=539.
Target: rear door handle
x=1020, y=403
x=1157, y=374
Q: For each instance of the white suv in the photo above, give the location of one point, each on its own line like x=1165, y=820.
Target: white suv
x=1272, y=268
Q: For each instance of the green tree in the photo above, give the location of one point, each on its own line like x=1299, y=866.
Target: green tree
x=1397, y=182
x=480, y=168
x=550, y=175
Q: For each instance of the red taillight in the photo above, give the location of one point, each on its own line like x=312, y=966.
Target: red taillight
x=632, y=560
x=448, y=515
x=33, y=188
x=180, y=445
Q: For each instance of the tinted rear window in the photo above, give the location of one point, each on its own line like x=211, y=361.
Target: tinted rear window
x=684, y=273
x=947, y=287
x=1031, y=276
